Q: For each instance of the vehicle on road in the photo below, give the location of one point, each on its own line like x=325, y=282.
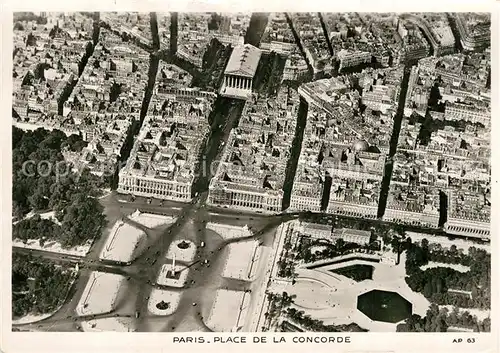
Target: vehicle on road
x=128, y=278
x=137, y=314
x=149, y=201
x=194, y=304
x=202, y=245
x=205, y=261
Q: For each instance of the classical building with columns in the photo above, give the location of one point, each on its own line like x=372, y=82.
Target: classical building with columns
x=239, y=72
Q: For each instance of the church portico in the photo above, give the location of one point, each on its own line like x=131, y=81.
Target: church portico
x=240, y=71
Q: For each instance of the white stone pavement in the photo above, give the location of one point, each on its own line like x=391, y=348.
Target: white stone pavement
x=100, y=294
x=333, y=298
x=227, y=231
x=229, y=311
x=266, y=271
x=241, y=261
x=164, y=280
x=111, y=324
x=186, y=255
x=151, y=220
x=122, y=242
x=456, y=267
x=53, y=246
x=159, y=295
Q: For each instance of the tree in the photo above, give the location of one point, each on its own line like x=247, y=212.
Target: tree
x=43, y=285
x=83, y=220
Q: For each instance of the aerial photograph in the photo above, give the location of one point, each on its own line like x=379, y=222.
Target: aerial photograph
x=251, y=172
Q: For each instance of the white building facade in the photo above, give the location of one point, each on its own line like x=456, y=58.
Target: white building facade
x=240, y=71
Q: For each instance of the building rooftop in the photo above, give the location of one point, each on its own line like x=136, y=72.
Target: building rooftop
x=243, y=61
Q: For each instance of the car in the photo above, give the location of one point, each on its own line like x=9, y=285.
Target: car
x=194, y=304
x=157, y=253
x=147, y=298
x=202, y=244
x=192, y=282
x=153, y=262
x=238, y=218
x=128, y=278
x=117, y=315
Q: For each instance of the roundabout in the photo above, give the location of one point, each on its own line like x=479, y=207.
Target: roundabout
x=163, y=302
x=182, y=250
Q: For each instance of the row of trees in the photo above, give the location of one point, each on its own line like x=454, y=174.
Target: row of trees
x=269, y=74
x=47, y=183
x=435, y=283
x=311, y=324
x=329, y=250
x=214, y=61
x=37, y=287
x=286, y=263
x=437, y=320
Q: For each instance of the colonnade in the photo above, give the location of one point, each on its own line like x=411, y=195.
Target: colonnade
x=238, y=82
